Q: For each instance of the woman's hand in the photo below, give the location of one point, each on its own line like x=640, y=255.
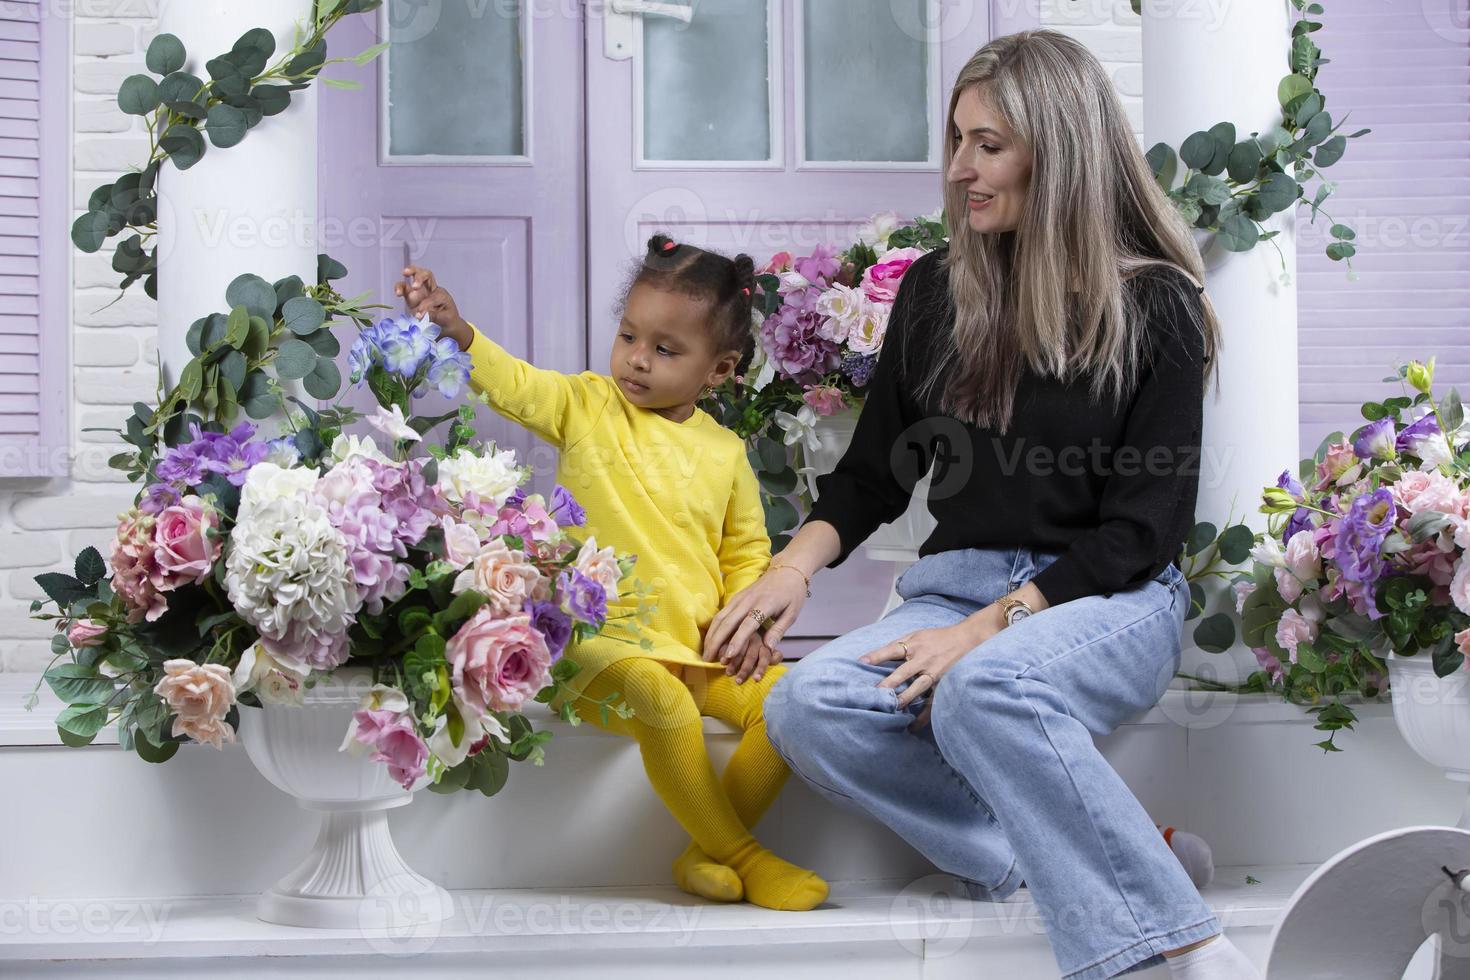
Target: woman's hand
x=779, y=594
x=425, y=297
x=928, y=655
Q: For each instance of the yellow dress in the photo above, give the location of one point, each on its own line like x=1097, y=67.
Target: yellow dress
x=680, y=495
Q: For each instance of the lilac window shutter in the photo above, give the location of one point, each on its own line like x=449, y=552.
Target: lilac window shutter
x=1405, y=188
x=34, y=240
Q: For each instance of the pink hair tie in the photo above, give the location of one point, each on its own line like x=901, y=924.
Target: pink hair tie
x=745, y=290
x=669, y=245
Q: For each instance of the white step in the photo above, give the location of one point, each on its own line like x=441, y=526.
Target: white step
x=877, y=929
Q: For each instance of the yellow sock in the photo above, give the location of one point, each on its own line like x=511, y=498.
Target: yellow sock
x=670, y=736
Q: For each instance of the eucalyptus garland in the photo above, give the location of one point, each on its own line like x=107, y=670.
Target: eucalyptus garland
x=1230, y=186
x=181, y=109
x=273, y=332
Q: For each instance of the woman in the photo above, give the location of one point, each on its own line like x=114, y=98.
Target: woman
x=1050, y=363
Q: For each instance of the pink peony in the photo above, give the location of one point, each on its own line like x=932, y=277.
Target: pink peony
x=134, y=566
x=186, y=551
x=1420, y=490
x=200, y=696
x=501, y=574
x=394, y=741
x=825, y=399
x=881, y=279
x=497, y=664
x=86, y=633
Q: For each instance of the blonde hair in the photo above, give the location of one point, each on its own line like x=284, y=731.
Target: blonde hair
x=1094, y=216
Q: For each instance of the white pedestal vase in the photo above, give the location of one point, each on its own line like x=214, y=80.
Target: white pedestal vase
x=897, y=542
x=1198, y=71
x=248, y=208
x=353, y=877
x=1433, y=715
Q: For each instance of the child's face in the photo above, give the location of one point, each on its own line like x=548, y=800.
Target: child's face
x=663, y=355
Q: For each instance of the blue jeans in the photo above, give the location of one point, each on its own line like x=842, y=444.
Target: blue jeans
x=1005, y=783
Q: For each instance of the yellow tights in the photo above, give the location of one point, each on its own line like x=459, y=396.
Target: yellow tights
x=724, y=861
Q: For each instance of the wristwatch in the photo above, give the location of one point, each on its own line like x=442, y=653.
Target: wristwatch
x=1014, y=610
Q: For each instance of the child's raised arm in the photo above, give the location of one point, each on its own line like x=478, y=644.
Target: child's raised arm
x=557, y=407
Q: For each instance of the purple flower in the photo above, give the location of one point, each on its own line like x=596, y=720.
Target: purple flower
x=1375, y=440
x=182, y=464
x=1361, y=534
x=1301, y=518
x=412, y=502
x=564, y=508
x=230, y=453
x=819, y=267
x=791, y=340
x=157, y=497
x=858, y=368
x=449, y=370
x=553, y=624
x=582, y=597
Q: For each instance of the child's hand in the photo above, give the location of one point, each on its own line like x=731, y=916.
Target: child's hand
x=423, y=296
x=758, y=657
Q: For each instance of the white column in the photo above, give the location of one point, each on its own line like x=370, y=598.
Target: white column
x=246, y=208
x=1199, y=69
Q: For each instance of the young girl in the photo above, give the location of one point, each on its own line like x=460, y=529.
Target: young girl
x=663, y=480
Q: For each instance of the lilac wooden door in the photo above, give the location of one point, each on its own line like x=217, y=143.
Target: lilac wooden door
x=464, y=152
x=765, y=125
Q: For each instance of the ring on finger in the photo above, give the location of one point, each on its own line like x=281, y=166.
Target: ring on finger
x=906, y=654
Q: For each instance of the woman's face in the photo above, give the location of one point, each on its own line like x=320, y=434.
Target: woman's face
x=990, y=165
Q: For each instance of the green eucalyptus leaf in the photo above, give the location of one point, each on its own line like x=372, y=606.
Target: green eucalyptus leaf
x=89, y=231
x=1239, y=233
x=303, y=315
x=1215, y=634
x=1244, y=161
x=1278, y=192
x=328, y=268
x=253, y=293
x=166, y=55
x=1330, y=151
x=232, y=369
x=295, y=359
x=324, y=342
x=180, y=86
x=1291, y=88
x=1198, y=150
x=256, y=397
x=226, y=125
x=272, y=99
x=138, y=95
x=183, y=144
x=1164, y=163
x=324, y=380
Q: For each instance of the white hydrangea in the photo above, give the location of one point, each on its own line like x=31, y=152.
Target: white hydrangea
x=346, y=447
x=288, y=574
x=268, y=482
x=492, y=477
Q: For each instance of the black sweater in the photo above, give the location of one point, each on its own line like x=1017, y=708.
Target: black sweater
x=1111, y=488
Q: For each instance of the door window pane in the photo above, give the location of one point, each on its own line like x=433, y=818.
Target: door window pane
x=865, y=76
x=455, y=79
x=706, y=84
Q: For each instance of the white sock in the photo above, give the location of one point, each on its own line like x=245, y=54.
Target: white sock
x=1218, y=959
x=1195, y=855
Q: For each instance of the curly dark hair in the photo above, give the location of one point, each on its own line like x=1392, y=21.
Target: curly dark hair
x=726, y=285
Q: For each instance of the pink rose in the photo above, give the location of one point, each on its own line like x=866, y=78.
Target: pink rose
x=501, y=574
x=200, y=696
x=134, y=566
x=86, y=633
x=825, y=399
x=497, y=664
x=1303, y=565
x=461, y=541
x=1462, y=640
x=881, y=279
x=1460, y=586
x=780, y=262
x=394, y=741
x=601, y=566
x=1421, y=490
x=186, y=552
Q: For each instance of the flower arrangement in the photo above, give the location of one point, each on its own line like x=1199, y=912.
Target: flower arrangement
x=1365, y=553
x=250, y=565
x=819, y=321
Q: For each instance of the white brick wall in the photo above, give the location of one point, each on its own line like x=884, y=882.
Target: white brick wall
x=1113, y=32
x=113, y=350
